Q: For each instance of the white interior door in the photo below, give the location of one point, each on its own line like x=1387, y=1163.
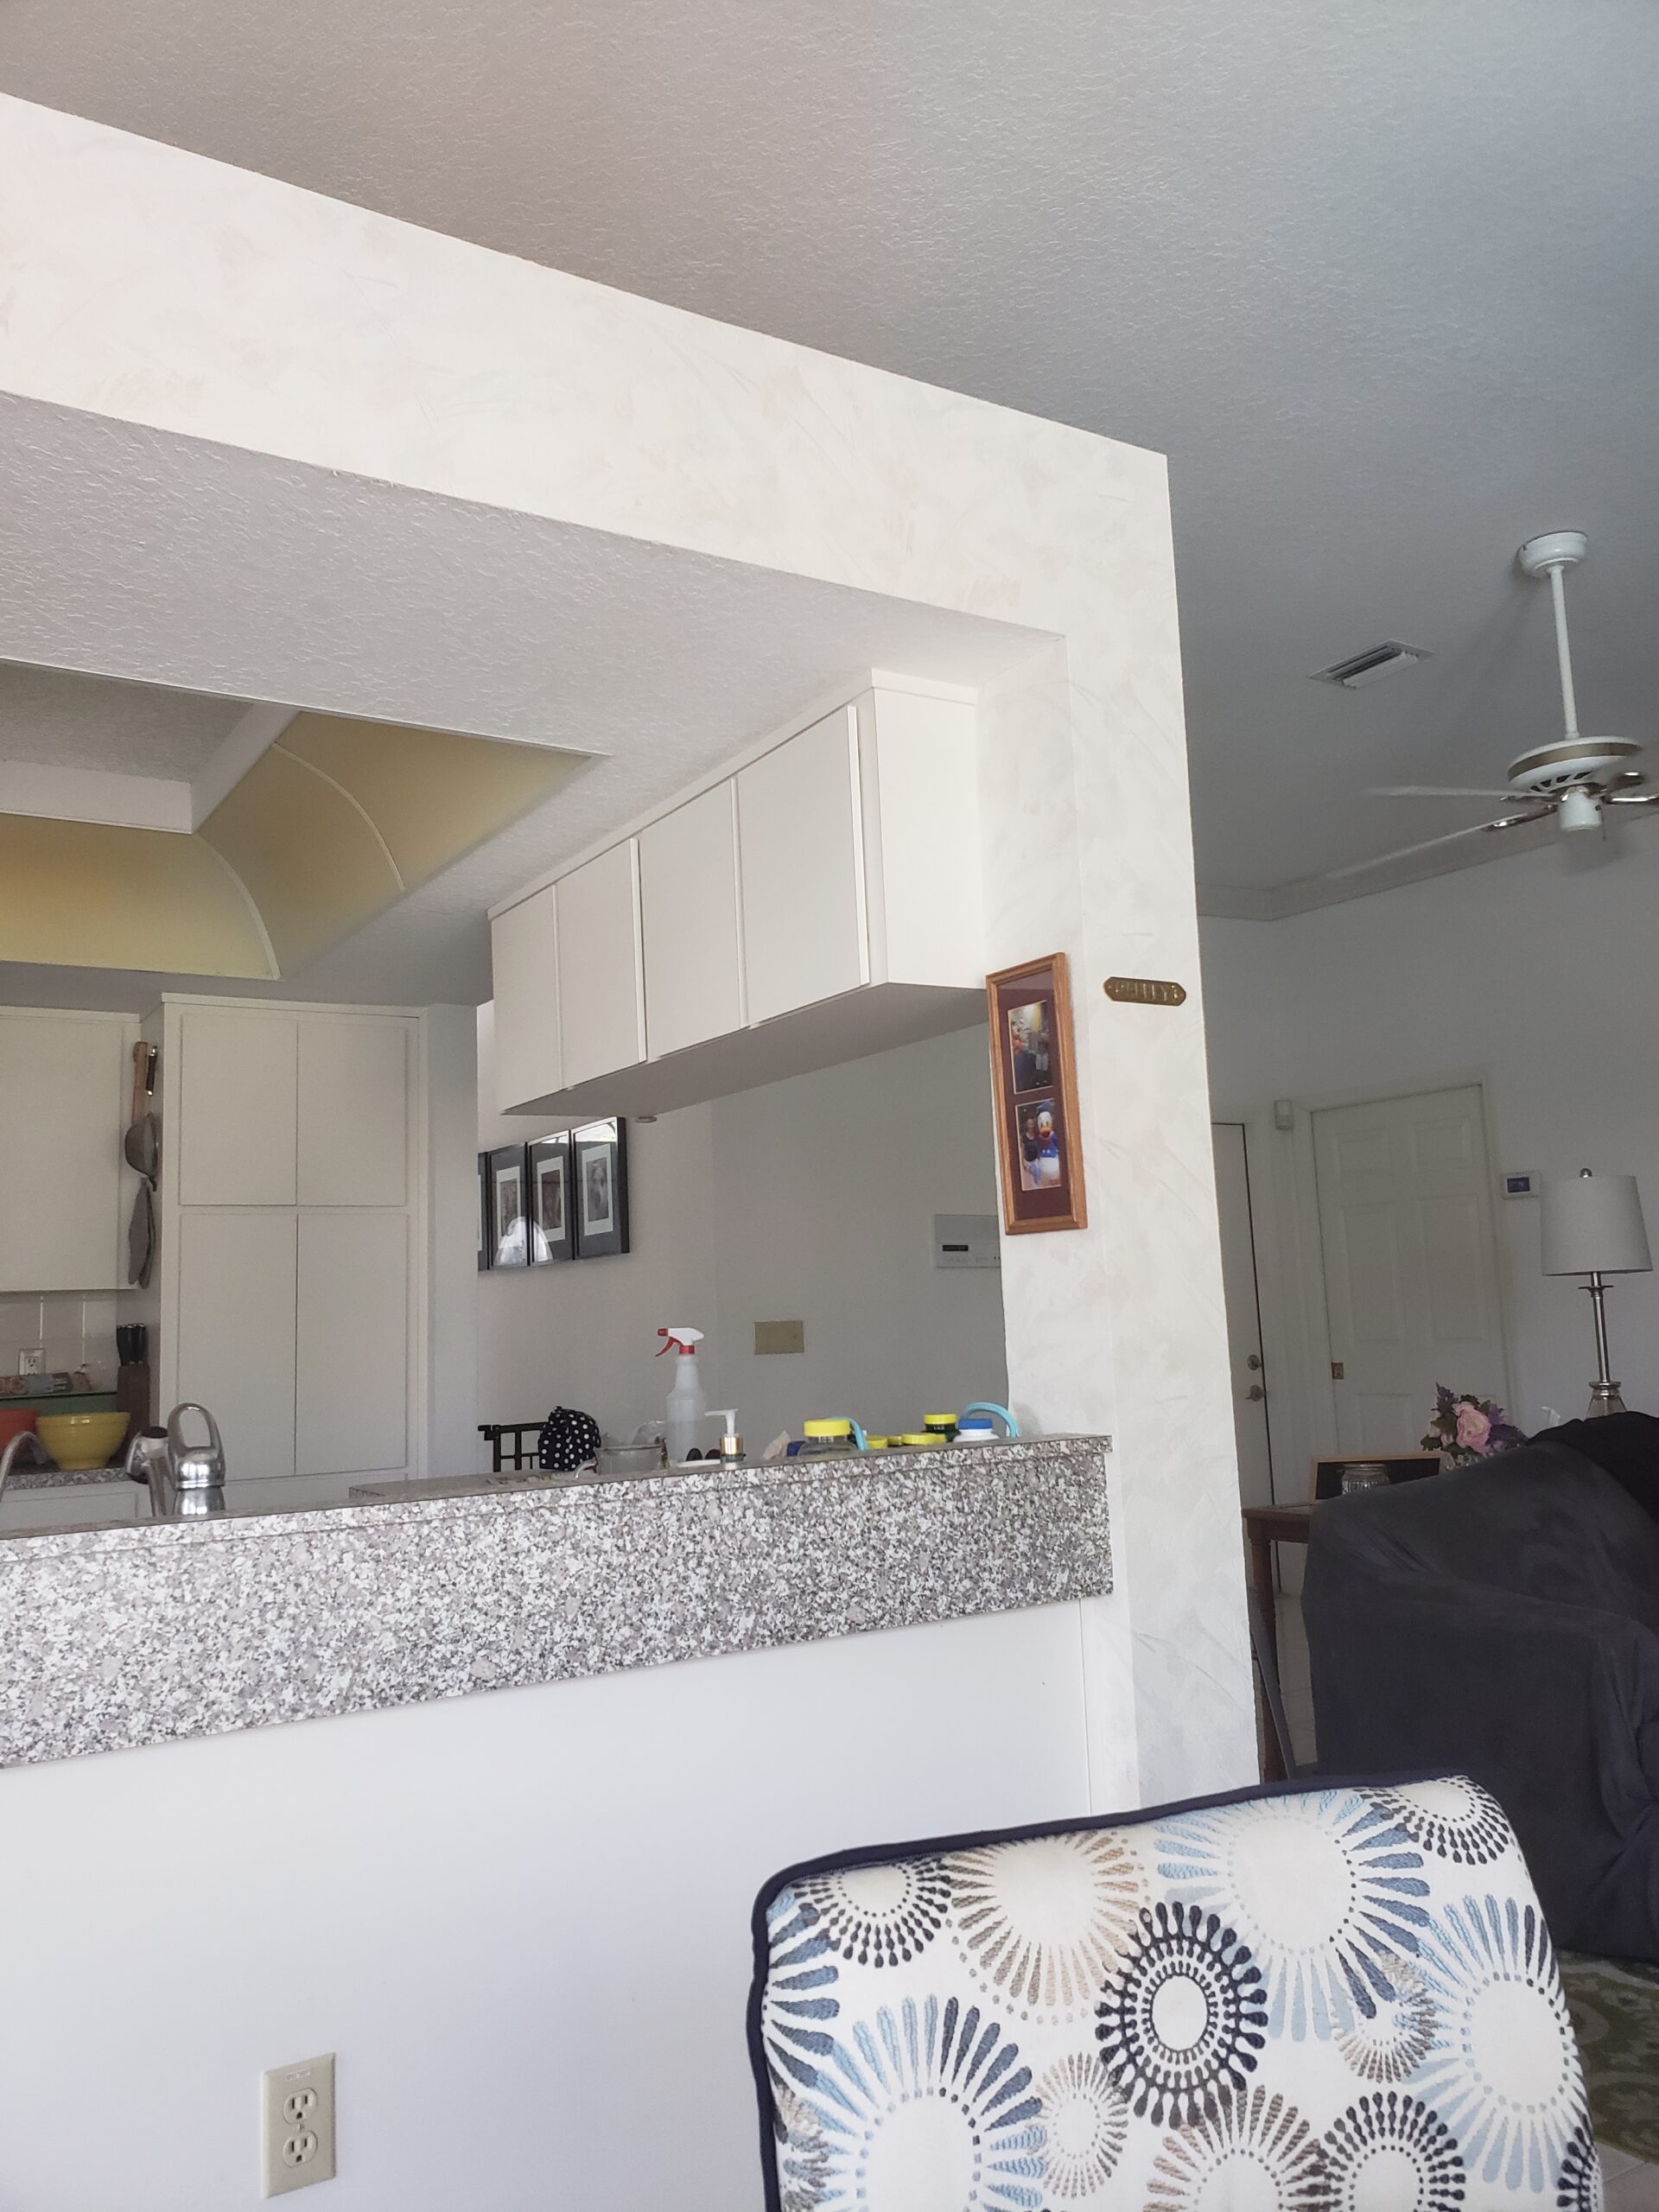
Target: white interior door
x=1410, y=1263
x=1244, y=1315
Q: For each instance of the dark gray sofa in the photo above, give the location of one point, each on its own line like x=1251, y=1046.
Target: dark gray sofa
x=1502, y=1622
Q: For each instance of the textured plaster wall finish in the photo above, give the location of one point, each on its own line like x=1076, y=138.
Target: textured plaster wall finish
x=347, y=341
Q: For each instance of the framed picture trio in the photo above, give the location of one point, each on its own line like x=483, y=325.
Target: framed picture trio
x=562, y=1197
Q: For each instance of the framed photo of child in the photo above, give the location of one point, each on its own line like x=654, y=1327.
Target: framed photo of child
x=1033, y=1081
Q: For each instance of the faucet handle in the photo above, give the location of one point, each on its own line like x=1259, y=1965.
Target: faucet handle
x=195, y=1466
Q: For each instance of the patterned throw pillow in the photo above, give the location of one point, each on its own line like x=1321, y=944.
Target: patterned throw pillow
x=567, y=1440
x=1325, y=2000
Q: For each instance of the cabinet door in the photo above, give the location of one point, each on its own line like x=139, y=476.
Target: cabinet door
x=235, y=1085
x=64, y=1091
x=352, y=1384
x=688, y=906
x=802, y=870
x=602, y=975
x=235, y=1330
x=353, y=1110
x=523, y=960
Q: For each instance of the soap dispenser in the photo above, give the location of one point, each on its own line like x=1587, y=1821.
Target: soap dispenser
x=731, y=1444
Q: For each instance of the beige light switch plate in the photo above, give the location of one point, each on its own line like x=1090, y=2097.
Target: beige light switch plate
x=780, y=1336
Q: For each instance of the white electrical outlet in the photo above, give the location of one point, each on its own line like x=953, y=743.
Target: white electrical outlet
x=299, y=2134
x=31, y=1359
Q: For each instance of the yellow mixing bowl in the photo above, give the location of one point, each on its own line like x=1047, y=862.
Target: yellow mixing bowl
x=78, y=1441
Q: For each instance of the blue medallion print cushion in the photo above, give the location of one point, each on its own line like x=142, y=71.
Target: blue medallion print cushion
x=1336, y=1999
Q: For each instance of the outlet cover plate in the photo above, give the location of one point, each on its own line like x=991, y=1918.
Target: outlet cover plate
x=298, y=2145
x=780, y=1336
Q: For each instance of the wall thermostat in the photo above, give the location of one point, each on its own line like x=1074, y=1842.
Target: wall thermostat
x=1525, y=1185
x=966, y=1240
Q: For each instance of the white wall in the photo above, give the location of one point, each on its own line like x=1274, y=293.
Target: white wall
x=1534, y=976
x=809, y=1200
x=521, y=1920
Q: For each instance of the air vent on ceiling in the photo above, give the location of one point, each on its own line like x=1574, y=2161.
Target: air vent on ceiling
x=1388, y=658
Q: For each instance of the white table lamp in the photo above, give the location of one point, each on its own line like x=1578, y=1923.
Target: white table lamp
x=1592, y=1226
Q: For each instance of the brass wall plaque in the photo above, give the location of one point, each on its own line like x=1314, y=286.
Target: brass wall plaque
x=1145, y=990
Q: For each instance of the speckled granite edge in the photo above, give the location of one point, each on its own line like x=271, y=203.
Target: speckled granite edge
x=121, y=1636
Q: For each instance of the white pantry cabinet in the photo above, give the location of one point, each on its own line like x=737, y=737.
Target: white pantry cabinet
x=293, y=1232
x=819, y=902
x=64, y=1091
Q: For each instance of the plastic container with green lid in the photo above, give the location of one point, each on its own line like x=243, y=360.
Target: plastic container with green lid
x=829, y=1439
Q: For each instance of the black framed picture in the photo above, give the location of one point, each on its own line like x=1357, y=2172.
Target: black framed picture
x=552, y=1217
x=599, y=1170
x=485, y=1242
x=509, y=1226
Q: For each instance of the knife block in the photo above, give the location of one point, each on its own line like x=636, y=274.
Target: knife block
x=132, y=1393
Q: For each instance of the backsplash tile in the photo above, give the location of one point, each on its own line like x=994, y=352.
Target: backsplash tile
x=20, y=1326
x=73, y=1329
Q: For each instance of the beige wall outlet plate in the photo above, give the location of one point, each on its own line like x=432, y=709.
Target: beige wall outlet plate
x=299, y=2125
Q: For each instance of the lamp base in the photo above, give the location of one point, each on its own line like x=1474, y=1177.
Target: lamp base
x=1604, y=1398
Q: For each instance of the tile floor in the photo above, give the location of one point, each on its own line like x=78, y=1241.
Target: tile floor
x=1631, y=2186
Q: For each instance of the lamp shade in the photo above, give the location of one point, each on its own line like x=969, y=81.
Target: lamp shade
x=1593, y=1225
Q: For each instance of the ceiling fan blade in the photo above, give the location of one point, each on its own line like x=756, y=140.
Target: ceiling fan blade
x=1432, y=844
x=1435, y=791
x=1629, y=798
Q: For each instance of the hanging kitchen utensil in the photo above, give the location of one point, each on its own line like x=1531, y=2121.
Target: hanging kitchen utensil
x=143, y=1142
x=141, y=1235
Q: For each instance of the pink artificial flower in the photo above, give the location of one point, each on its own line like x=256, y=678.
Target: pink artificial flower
x=1473, y=1429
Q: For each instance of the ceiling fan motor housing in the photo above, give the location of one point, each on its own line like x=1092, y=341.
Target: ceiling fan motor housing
x=1570, y=762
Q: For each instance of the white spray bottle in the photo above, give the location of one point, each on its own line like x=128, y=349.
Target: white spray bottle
x=685, y=1399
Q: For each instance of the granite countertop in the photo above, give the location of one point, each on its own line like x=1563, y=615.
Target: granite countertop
x=147, y=1632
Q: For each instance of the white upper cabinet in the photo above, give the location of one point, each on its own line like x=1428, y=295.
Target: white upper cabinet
x=523, y=959
x=235, y=1079
x=602, y=971
x=65, y=1085
x=801, y=836
x=353, y=1110
x=822, y=901
x=689, y=908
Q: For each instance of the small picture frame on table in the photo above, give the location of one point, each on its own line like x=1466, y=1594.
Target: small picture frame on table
x=1033, y=1082
x=598, y=1174
x=552, y=1217
x=509, y=1223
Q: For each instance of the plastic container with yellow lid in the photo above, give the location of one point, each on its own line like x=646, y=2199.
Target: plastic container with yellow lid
x=918, y=1440
x=941, y=1425
x=829, y=1439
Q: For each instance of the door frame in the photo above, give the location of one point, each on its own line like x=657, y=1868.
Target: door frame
x=1236, y=1122
x=1290, y=1258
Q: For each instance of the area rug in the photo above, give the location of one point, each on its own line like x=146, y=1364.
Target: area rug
x=1615, y=2006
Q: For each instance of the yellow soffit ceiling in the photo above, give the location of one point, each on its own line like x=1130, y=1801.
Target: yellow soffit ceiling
x=334, y=823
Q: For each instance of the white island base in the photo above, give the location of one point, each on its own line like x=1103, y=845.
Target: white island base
x=521, y=1920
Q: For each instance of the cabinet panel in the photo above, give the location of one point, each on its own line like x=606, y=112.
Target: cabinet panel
x=352, y=1388
x=523, y=959
x=803, y=932
x=353, y=1111
x=687, y=904
x=235, y=1352
x=602, y=978
x=236, y=1088
x=64, y=1091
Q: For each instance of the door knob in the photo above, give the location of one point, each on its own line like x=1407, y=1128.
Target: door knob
x=1255, y=1392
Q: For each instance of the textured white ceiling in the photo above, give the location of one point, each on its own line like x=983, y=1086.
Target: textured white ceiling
x=1383, y=279
x=128, y=551
x=70, y=721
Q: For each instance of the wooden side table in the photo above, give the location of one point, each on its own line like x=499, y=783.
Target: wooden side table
x=1265, y=1525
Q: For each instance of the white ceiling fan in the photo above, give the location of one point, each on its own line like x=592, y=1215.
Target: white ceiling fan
x=1573, y=777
